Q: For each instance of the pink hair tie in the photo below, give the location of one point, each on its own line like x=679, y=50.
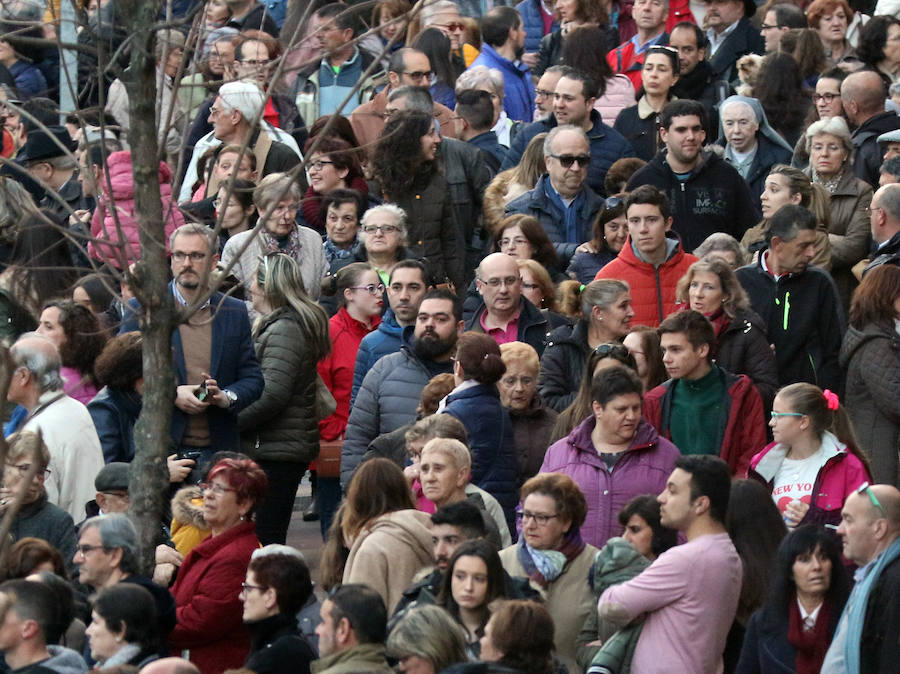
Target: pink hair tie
x=832, y=400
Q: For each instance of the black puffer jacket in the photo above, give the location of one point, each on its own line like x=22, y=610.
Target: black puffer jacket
x=282, y=425
x=743, y=348
x=562, y=365
x=870, y=359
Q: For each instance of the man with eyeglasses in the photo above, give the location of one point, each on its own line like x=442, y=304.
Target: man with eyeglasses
x=703, y=408
x=862, y=96
x=867, y=638
x=884, y=222
x=232, y=115
x=561, y=200
x=342, y=67
x=778, y=21
x=503, y=36
x=216, y=370
x=407, y=284
x=407, y=67
x=628, y=58
x=63, y=423
x=390, y=392
x=545, y=93
x=108, y=553
x=573, y=104
x=504, y=314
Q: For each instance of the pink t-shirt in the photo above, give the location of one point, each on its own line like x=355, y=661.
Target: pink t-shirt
x=690, y=594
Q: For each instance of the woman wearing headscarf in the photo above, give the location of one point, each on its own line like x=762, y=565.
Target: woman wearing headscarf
x=752, y=146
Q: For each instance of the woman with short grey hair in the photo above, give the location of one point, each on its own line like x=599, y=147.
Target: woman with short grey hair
x=830, y=164
x=277, y=199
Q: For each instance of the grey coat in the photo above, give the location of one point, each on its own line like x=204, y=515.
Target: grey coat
x=871, y=360
x=386, y=401
x=282, y=425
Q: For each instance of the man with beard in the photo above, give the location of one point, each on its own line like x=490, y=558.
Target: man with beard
x=504, y=313
x=391, y=390
x=216, y=369
x=696, y=80
x=503, y=34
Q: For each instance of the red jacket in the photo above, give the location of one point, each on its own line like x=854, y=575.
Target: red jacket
x=207, y=607
x=742, y=428
x=652, y=290
x=336, y=369
x=841, y=475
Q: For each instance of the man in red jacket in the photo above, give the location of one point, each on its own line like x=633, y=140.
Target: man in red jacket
x=704, y=409
x=628, y=58
x=652, y=260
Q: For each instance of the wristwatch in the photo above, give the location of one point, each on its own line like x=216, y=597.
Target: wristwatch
x=232, y=397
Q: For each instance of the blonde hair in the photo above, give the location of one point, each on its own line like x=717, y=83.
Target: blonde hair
x=521, y=353
x=731, y=287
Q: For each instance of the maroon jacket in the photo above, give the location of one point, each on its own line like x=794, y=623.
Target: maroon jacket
x=207, y=607
x=742, y=427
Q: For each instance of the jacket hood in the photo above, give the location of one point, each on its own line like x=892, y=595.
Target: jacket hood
x=615, y=555
x=409, y=526
x=185, y=510
x=674, y=252
x=854, y=339
x=64, y=660
x=121, y=178
x=580, y=437
x=768, y=461
x=389, y=324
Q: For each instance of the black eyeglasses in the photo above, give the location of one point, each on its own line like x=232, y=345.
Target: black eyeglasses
x=418, y=74
x=827, y=97
x=246, y=587
x=85, y=549
x=567, y=160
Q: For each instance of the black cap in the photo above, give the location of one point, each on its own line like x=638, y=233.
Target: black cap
x=112, y=477
x=41, y=145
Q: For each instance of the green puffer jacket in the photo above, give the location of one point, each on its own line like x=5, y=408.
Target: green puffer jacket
x=615, y=563
x=282, y=424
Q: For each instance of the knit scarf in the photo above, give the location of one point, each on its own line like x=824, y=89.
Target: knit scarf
x=290, y=246
x=545, y=566
x=855, y=610
x=812, y=645
x=334, y=252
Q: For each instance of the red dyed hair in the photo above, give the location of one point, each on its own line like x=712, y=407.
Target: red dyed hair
x=248, y=480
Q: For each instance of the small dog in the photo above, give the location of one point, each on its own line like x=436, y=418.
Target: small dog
x=748, y=69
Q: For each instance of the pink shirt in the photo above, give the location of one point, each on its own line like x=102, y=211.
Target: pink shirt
x=499, y=335
x=690, y=594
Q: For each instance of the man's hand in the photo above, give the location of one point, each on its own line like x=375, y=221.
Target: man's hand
x=530, y=59
x=215, y=395
x=187, y=402
x=179, y=469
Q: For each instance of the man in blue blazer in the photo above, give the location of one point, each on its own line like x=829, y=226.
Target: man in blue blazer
x=215, y=363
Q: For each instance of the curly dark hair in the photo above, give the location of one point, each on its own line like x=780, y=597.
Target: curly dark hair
x=399, y=161
x=873, y=39
x=85, y=337
x=120, y=364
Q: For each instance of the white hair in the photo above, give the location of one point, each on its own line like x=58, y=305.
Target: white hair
x=480, y=76
x=277, y=549
x=834, y=126
x=243, y=97
x=433, y=9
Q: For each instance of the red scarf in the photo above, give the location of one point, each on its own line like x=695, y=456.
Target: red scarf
x=812, y=645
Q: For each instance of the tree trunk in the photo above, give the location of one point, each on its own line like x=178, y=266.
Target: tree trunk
x=148, y=484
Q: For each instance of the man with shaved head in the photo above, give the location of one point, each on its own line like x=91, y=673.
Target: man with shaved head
x=504, y=313
x=870, y=531
x=63, y=423
x=171, y=666
x=862, y=95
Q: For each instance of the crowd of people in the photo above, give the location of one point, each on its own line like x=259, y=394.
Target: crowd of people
x=582, y=317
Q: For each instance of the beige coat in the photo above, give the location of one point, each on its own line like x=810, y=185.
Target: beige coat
x=569, y=599
x=848, y=231
x=389, y=552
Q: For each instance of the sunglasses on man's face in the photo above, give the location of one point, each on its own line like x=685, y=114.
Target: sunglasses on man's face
x=567, y=160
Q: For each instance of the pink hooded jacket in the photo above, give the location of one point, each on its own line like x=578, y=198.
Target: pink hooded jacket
x=103, y=224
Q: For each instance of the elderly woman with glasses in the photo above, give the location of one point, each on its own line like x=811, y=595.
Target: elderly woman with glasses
x=606, y=317
x=207, y=604
x=277, y=199
x=613, y=455
x=553, y=556
x=36, y=517
x=814, y=463
x=830, y=164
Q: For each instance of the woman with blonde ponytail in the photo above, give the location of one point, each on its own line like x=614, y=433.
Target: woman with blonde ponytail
x=814, y=463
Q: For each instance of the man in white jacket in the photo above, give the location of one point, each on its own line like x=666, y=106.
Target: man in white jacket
x=64, y=423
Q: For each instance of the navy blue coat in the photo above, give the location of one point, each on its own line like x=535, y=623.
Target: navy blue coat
x=494, y=462
x=607, y=145
x=533, y=23
x=114, y=413
x=232, y=364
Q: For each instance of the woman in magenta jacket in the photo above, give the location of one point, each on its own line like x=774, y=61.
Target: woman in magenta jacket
x=359, y=293
x=207, y=605
x=613, y=455
x=814, y=464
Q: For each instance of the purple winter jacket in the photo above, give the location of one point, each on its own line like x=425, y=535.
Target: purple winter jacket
x=643, y=469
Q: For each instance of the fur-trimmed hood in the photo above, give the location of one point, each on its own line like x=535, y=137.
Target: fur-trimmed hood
x=187, y=506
